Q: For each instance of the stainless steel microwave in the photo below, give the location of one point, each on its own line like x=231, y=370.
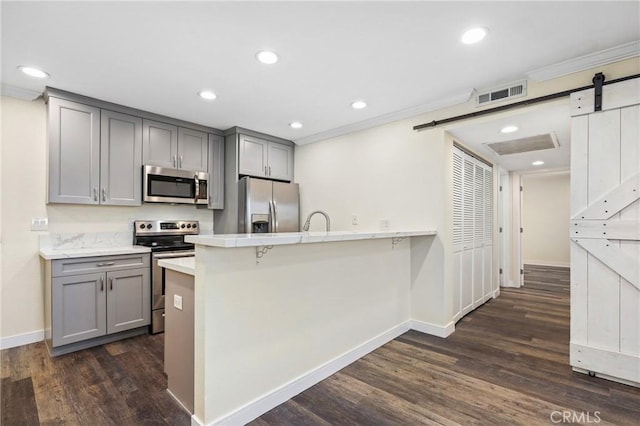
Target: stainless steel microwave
x=164, y=185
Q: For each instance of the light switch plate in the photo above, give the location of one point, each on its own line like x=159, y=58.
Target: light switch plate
x=39, y=223
x=177, y=302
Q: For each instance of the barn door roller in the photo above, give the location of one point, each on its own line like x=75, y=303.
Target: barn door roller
x=598, y=81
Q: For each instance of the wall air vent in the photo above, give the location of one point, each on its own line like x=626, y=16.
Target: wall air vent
x=507, y=91
x=517, y=146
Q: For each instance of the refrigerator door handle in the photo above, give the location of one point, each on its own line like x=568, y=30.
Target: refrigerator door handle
x=275, y=216
x=272, y=214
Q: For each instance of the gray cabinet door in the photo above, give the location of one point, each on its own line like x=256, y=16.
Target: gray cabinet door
x=74, y=152
x=193, y=148
x=78, y=308
x=280, y=161
x=128, y=299
x=252, y=156
x=120, y=159
x=159, y=144
x=216, y=172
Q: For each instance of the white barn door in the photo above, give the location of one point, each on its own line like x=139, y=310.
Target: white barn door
x=605, y=233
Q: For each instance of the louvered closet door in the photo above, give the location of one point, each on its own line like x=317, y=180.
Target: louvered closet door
x=466, y=261
x=488, y=234
x=478, y=234
x=605, y=232
x=457, y=232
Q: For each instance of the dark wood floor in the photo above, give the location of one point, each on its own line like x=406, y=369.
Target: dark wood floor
x=507, y=363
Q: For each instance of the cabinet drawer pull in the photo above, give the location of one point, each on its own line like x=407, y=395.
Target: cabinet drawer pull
x=106, y=264
x=101, y=283
x=110, y=283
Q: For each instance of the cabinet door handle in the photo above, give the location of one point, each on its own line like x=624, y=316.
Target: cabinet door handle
x=265, y=171
x=269, y=170
x=101, y=283
x=180, y=162
x=110, y=283
x=106, y=264
x=174, y=162
x=104, y=194
x=95, y=194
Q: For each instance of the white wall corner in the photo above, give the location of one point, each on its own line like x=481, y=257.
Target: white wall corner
x=21, y=339
x=433, y=329
x=585, y=62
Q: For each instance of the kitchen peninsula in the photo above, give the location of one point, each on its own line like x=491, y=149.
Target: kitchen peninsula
x=276, y=313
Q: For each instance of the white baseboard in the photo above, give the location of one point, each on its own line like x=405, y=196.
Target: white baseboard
x=433, y=329
x=21, y=339
x=547, y=263
x=261, y=405
x=496, y=292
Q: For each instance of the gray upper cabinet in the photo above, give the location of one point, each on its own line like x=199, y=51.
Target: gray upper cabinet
x=120, y=159
x=193, y=148
x=74, y=152
x=165, y=145
x=160, y=144
x=280, y=159
x=262, y=158
x=216, y=172
x=95, y=156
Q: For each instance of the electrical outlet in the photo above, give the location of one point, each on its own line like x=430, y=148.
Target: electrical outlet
x=39, y=223
x=385, y=224
x=354, y=219
x=177, y=302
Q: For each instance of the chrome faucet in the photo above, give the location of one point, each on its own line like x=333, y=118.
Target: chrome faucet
x=308, y=222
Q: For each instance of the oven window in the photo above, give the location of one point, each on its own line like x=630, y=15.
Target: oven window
x=167, y=186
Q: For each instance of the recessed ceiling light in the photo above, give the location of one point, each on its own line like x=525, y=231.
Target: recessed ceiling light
x=537, y=163
x=295, y=125
x=33, y=72
x=207, y=94
x=267, y=57
x=358, y=104
x=509, y=129
x=474, y=35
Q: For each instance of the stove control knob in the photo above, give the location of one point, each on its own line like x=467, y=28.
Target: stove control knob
x=142, y=226
x=188, y=225
x=182, y=226
x=148, y=226
x=195, y=225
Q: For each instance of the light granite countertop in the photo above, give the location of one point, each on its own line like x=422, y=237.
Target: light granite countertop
x=87, y=244
x=256, y=240
x=186, y=265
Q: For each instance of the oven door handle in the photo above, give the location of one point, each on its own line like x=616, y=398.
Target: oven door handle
x=170, y=255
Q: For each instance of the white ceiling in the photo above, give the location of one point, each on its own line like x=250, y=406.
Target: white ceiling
x=156, y=56
x=553, y=117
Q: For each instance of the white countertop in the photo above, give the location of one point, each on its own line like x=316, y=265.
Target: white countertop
x=186, y=265
x=67, y=253
x=256, y=240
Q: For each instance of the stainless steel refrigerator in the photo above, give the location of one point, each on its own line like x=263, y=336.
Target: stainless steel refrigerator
x=268, y=206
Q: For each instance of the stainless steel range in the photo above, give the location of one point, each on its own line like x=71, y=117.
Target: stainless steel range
x=166, y=239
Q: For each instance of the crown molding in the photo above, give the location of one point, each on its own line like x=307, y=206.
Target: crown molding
x=387, y=118
x=19, y=92
x=581, y=63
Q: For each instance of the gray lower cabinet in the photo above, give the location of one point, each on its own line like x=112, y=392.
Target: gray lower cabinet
x=90, y=301
x=95, y=156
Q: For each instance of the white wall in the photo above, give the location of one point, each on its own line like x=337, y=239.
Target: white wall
x=545, y=218
x=24, y=184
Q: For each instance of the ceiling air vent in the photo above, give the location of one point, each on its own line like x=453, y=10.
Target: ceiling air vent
x=507, y=91
x=517, y=146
